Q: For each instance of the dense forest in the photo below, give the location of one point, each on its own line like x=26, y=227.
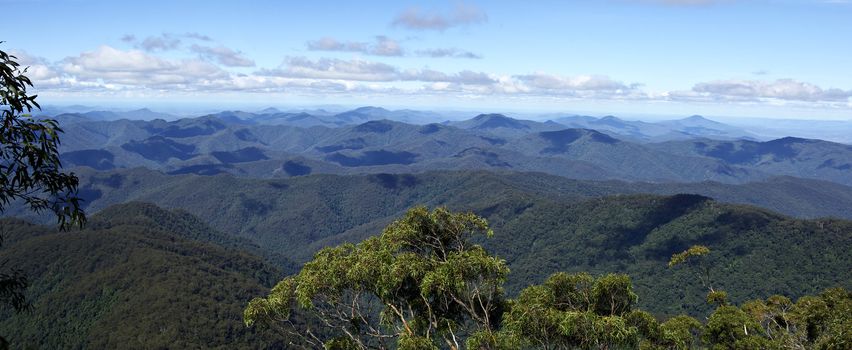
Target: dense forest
x=423, y=284
x=137, y=276
x=150, y=277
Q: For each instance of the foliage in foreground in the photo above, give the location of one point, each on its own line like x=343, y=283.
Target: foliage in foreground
x=30, y=170
x=419, y=284
x=422, y=285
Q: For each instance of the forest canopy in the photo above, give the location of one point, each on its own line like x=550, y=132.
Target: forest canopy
x=422, y=284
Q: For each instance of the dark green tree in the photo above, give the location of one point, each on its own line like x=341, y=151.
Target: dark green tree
x=578, y=311
x=421, y=284
x=30, y=170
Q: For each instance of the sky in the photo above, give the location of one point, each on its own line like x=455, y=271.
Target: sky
x=764, y=59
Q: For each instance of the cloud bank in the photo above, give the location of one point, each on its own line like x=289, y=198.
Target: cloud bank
x=462, y=15
x=210, y=69
x=382, y=46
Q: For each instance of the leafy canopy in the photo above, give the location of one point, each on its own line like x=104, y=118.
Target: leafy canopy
x=419, y=284
x=30, y=169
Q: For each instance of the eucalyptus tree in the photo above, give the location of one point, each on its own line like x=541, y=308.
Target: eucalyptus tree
x=30, y=170
x=579, y=311
x=421, y=284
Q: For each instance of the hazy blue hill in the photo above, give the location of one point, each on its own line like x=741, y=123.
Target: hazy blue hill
x=502, y=126
x=680, y=129
x=627, y=160
x=137, y=114
x=636, y=130
x=234, y=117
x=368, y=113
x=66, y=119
x=269, y=110
x=300, y=119
x=830, y=130
x=138, y=277
x=423, y=142
x=785, y=156
x=211, y=145
x=699, y=126
x=102, y=134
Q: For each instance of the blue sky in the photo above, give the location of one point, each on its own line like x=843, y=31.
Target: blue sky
x=787, y=59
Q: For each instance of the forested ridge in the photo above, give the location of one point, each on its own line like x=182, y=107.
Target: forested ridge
x=145, y=276
x=424, y=285
x=136, y=277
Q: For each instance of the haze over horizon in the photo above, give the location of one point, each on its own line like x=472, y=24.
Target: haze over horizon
x=763, y=59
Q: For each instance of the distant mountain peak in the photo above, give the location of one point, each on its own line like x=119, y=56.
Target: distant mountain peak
x=610, y=120
x=495, y=120
x=366, y=109
x=698, y=120
x=566, y=136
x=789, y=140
x=270, y=110
x=375, y=126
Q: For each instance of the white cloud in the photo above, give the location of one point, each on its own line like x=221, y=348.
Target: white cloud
x=549, y=82
x=462, y=15
x=108, y=69
x=331, y=68
x=197, y=36
x=332, y=44
x=108, y=65
x=368, y=71
x=386, y=47
x=683, y=2
x=159, y=43
x=164, y=41
x=38, y=69
x=223, y=56
x=448, y=52
x=382, y=46
x=781, y=89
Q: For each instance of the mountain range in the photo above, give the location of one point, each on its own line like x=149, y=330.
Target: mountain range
x=236, y=144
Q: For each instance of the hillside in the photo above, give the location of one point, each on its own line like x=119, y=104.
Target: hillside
x=236, y=143
x=136, y=245
x=789, y=155
x=680, y=129
x=137, y=276
x=295, y=216
x=756, y=252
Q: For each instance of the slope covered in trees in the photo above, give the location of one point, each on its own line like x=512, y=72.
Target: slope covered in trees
x=760, y=253
x=166, y=275
x=423, y=284
x=297, y=216
x=136, y=277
